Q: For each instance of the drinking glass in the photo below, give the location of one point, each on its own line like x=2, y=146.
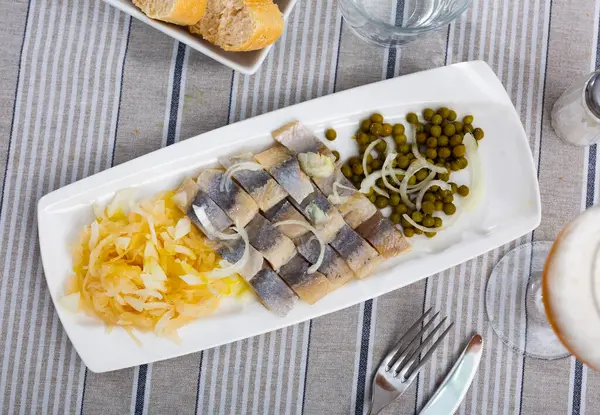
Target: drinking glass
x=542, y=298
x=393, y=23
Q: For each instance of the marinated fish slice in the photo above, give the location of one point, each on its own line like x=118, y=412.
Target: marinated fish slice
x=358, y=254
x=285, y=211
x=215, y=215
x=354, y=206
x=300, y=139
x=270, y=242
x=270, y=289
x=285, y=169
x=322, y=215
x=265, y=191
x=232, y=251
x=238, y=204
x=333, y=266
x=383, y=235
x=309, y=287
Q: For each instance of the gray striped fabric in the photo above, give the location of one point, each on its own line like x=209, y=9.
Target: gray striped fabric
x=84, y=87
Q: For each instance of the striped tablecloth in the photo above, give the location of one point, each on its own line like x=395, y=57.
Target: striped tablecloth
x=84, y=87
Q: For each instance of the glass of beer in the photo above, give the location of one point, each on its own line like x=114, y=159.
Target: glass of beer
x=543, y=298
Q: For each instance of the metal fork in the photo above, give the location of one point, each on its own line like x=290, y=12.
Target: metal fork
x=403, y=363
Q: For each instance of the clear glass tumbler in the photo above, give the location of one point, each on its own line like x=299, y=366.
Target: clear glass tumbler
x=393, y=23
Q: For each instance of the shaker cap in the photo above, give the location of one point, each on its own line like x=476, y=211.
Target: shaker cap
x=592, y=94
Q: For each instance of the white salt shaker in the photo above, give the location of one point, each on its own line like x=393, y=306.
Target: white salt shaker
x=576, y=114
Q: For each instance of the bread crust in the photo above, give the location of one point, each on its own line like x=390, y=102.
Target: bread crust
x=183, y=12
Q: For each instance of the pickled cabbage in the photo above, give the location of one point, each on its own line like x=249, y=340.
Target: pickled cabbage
x=144, y=266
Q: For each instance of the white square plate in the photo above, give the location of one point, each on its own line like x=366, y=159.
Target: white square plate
x=244, y=62
x=509, y=209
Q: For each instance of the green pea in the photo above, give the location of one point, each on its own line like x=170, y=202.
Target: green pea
x=347, y=170
x=356, y=179
x=376, y=164
x=381, y=146
x=417, y=216
x=419, y=128
x=386, y=130
x=412, y=181
x=398, y=129
x=449, y=208
x=459, y=151
x=453, y=187
x=437, y=119
x=434, y=188
x=365, y=125
x=395, y=218
x=432, y=142
x=336, y=154
x=430, y=234
x=362, y=138
x=403, y=161
x=428, y=221
x=454, y=166
x=372, y=198
x=462, y=163
x=400, y=139
x=330, y=134
x=362, y=148
x=443, y=176
x=429, y=197
x=376, y=117
x=358, y=170
x=394, y=200
x=442, y=141
x=478, y=134
x=451, y=115
x=455, y=140
x=418, y=232
x=463, y=191
x=381, y=202
x=448, y=199
x=437, y=222
x=405, y=224
x=428, y=208
x=376, y=128
x=409, y=232
x=468, y=128
x=458, y=126
x=421, y=138
x=428, y=113
x=444, y=152
x=412, y=118
x=369, y=169
x=421, y=175
x=379, y=183
x=443, y=111
x=449, y=130
x=431, y=153
x=468, y=119
x=405, y=149
x=401, y=209
x=438, y=205
x=436, y=131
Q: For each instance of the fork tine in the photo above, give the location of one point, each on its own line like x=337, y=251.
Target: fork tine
x=401, y=345
x=417, y=345
x=425, y=359
x=402, y=354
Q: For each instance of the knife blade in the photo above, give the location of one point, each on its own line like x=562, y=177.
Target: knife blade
x=451, y=392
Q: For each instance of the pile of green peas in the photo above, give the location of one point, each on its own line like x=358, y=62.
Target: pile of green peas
x=440, y=138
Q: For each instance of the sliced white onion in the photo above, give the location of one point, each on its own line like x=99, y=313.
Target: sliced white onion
x=419, y=186
x=477, y=189
x=385, y=171
x=208, y=226
x=314, y=267
x=370, y=148
x=423, y=161
x=439, y=183
x=335, y=197
x=244, y=165
x=369, y=182
x=404, y=186
x=238, y=266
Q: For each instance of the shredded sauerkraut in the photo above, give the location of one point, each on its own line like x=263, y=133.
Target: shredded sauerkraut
x=145, y=267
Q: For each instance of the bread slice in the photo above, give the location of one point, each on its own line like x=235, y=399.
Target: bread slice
x=180, y=12
x=240, y=25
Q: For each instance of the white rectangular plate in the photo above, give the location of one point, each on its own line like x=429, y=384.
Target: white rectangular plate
x=245, y=62
x=510, y=208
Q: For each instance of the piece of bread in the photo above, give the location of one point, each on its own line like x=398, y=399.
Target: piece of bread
x=179, y=12
x=240, y=25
